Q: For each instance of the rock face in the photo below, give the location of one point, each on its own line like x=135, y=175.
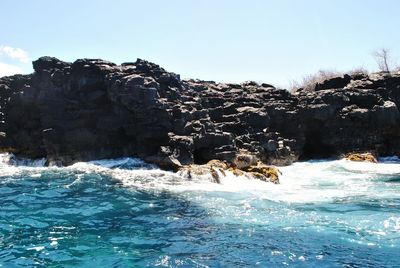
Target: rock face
x=91, y=109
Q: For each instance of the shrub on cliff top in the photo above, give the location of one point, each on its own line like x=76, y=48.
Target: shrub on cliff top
x=309, y=82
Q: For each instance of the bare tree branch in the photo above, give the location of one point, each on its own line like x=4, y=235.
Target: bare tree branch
x=382, y=57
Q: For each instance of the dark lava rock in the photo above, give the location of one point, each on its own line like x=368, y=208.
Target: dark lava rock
x=91, y=109
x=335, y=82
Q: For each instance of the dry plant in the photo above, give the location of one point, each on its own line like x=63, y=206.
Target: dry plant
x=359, y=70
x=310, y=81
x=382, y=57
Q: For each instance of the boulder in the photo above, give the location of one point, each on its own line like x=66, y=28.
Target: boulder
x=245, y=160
x=335, y=82
x=216, y=170
x=361, y=157
x=49, y=63
x=264, y=172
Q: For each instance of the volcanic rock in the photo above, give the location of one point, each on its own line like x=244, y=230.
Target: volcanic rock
x=91, y=109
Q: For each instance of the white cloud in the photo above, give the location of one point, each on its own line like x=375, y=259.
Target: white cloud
x=14, y=53
x=7, y=69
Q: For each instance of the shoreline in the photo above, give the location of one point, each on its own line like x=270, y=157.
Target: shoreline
x=245, y=166
x=94, y=109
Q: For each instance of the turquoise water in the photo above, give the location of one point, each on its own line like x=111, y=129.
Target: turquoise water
x=124, y=213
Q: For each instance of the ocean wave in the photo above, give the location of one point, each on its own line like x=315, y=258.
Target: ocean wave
x=302, y=182
x=59, y=209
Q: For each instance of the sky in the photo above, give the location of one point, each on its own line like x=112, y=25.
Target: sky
x=222, y=40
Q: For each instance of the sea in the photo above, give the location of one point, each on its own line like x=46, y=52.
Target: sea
x=127, y=213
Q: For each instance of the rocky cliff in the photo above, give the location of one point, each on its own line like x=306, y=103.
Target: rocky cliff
x=93, y=109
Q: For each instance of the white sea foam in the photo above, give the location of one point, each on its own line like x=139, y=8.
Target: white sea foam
x=324, y=195
x=314, y=181
x=7, y=159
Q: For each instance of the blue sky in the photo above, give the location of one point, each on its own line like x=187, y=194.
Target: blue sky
x=226, y=40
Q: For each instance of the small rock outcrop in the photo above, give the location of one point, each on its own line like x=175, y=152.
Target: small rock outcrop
x=218, y=169
x=91, y=109
x=361, y=157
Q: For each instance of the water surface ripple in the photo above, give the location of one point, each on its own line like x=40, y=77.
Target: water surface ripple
x=125, y=213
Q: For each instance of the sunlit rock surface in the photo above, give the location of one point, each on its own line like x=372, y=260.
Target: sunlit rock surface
x=91, y=109
x=361, y=157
